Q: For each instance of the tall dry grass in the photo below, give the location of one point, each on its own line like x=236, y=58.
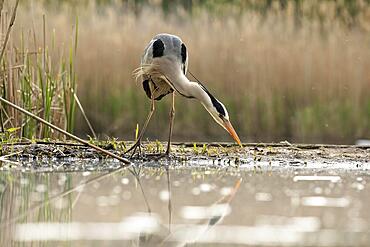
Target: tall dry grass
x=279, y=82
x=35, y=77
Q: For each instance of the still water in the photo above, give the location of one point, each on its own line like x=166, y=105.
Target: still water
x=162, y=204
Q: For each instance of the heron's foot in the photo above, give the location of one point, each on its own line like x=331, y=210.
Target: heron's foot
x=136, y=147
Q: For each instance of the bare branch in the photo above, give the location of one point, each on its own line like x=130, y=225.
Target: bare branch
x=11, y=23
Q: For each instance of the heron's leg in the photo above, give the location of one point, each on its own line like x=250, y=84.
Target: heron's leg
x=172, y=117
x=142, y=131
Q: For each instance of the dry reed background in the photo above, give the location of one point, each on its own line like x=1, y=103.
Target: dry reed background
x=35, y=78
x=279, y=82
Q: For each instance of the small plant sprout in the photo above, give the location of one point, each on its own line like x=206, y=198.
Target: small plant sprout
x=137, y=132
x=195, y=148
x=204, y=149
x=159, y=146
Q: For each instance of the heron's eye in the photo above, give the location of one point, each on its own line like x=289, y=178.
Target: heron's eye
x=158, y=48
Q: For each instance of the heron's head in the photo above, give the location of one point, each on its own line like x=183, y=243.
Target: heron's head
x=221, y=116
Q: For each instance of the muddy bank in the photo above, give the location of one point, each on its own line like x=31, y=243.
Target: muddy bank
x=32, y=155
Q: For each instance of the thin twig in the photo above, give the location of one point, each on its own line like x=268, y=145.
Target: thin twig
x=11, y=23
x=56, y=143
x=83, y=113
x=4, y=158
x=1, y=6
x=14, y=67
x=125, y=161
x=1, y=120
x=8, y=118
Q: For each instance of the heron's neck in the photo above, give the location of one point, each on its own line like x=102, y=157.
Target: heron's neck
x=192, y=89
x=199, y=92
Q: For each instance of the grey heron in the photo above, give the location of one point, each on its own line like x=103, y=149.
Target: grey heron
x=163, y=69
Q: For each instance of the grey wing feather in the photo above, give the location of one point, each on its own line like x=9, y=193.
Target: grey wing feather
x=162, y=45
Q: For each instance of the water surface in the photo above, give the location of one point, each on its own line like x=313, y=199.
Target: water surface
x=182, y=204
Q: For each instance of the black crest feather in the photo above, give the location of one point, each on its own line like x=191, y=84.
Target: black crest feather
x=158, y=48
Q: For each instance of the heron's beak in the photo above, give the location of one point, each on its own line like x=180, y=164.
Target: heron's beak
x=231, y=131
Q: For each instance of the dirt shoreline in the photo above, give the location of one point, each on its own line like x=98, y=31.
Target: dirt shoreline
x=183, y=151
